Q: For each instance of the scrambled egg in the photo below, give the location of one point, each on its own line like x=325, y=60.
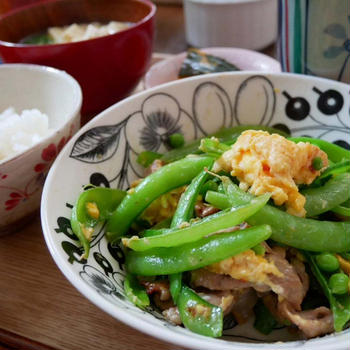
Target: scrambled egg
x=163, y=207
x=247, y=267
x=265, y=163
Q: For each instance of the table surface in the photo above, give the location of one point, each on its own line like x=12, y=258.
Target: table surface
x=39, y=308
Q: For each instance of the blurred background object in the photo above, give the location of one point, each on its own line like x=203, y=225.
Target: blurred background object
x=249, y=24
x=22, y=175
x=314, y=38
x=107, y=68
x=168, y=69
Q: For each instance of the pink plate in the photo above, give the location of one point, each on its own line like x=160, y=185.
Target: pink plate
x=168, y=69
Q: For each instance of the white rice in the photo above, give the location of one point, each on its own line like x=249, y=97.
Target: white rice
x=18, y=132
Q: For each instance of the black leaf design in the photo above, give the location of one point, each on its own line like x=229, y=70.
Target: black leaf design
x=97, y=144
x=117, y=254
x=64, y=226
x=104, y=263
x=99, y=180
x=74, y=253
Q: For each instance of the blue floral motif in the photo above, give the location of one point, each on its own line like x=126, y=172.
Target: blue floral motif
x=338, y=31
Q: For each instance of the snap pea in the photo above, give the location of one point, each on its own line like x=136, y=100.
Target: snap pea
x=176, y=140
x=332, y=170
x=321, y=199
x=175, y=286
x=264, y=321
x=212, y=224
x=335, y=153
x=327, y=262
x=198, y=315
x=146, y=158
x=165, y=179
x=341, y=210
x=184, y=213
x=98, y=201
x=188, y=199
x=308, y=234
x=339, y=283
x=135, y=292
x=227, y=135
x=340, y=304
x=191, y=256
x=213, y=147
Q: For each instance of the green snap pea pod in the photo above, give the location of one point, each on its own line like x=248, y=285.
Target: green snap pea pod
x=339, y=209
x=198, y=315
x=175, y=285
x=335, y=153
x=227, y=135
x=339, y=283
x=93, y=206
x=218, y=200
x=332, y=170
x=191, y=256
x=146, y=158
x=188, y=199
x=135, y=292
x=321, y=199
x=164, y=180
x=184, y=213
x=213, y=147
x=308, y=234
x=209, y=225
x=340, y=304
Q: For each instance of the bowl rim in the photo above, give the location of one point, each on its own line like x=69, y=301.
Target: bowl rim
x=71, y=115
x=210, y=50
x=166, y=334
x=149, y=16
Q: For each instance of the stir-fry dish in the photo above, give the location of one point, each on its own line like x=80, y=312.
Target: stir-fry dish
x=247, y=222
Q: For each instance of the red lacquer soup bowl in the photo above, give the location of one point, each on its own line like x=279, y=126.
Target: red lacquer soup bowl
x=108, y=68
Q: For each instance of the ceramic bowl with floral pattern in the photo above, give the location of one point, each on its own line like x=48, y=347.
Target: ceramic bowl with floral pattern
x=104, y=153
x=58, y=95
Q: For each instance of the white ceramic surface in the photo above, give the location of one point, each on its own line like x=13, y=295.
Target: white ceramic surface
x=168, y=70
x=104, y=153
x=22, y=176
x=249, y=24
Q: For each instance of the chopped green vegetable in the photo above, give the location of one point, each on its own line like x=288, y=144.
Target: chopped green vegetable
x=176, y=140
x=198, y=315
x=93, y=206
x=146, y=158
x=197, y=62
x=317, y=163
x=135, y=292
x=264, y=321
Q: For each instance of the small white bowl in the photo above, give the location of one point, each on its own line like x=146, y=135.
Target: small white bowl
x=168, y=70
x=249, y=24
x=22, y=176
x=104, y=153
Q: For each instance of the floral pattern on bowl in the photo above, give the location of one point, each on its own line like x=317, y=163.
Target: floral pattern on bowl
x=104, y=153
